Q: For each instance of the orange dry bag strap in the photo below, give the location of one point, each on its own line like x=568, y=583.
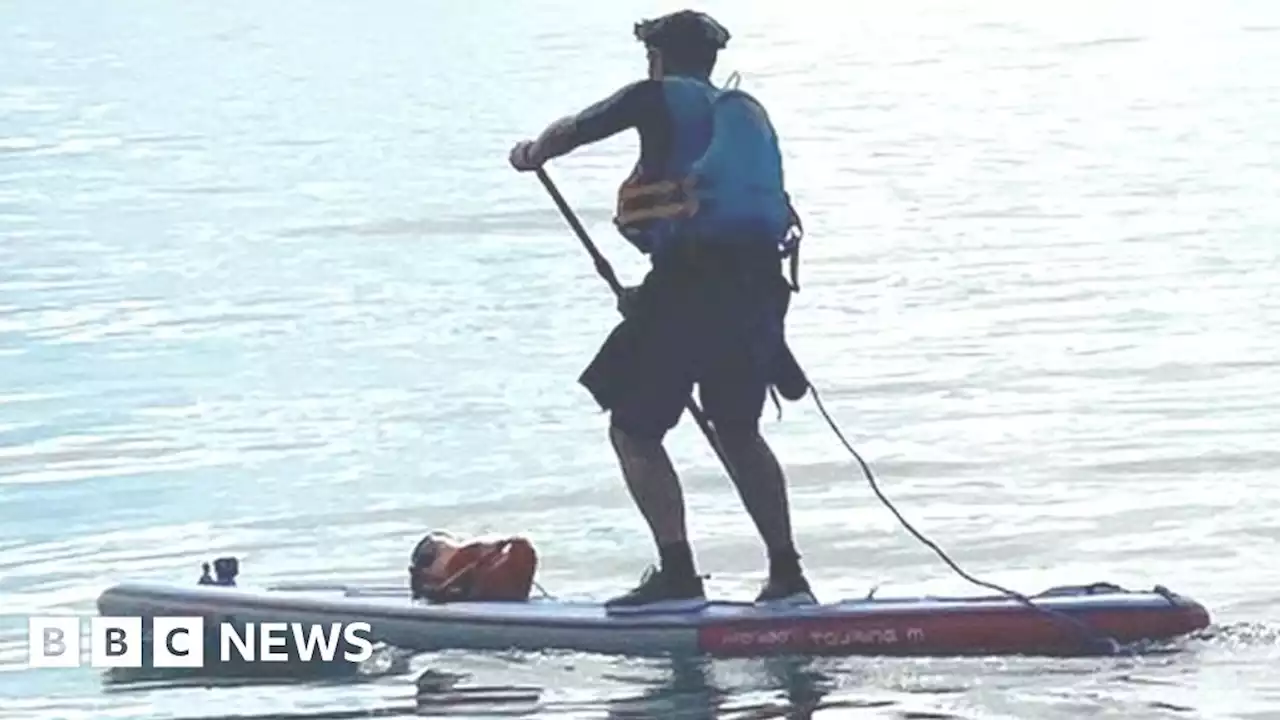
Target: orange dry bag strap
x=457, y=585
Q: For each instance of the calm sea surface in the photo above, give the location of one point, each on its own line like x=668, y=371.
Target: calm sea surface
x=268, y=287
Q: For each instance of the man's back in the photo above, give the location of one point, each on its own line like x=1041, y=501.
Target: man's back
x=660, y=111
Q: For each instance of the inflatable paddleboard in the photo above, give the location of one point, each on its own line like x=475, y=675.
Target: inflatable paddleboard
x=910, y=626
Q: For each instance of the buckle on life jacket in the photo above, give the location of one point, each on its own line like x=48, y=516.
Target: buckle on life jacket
x=791, y=246
x=664, y=200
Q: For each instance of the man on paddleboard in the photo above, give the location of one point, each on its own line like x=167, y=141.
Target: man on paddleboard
x=706, y=202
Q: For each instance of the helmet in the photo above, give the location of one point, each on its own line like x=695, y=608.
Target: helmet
x=683, y=29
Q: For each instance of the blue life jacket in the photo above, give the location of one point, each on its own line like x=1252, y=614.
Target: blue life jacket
x=722, y=183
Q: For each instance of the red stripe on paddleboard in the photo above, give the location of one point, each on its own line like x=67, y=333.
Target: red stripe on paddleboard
x=990, y=631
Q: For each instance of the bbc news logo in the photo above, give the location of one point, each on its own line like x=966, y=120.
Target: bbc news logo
x=181, y=642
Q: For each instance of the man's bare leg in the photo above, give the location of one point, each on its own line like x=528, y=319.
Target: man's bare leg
x=652, y=480
x=763, y=489
x=653, y=484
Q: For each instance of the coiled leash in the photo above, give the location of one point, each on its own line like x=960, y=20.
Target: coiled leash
x=1095, y=642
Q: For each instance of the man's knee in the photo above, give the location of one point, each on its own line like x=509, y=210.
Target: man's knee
x=640, y=455
x=625, y=435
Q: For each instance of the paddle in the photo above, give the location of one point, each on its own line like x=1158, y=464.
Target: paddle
x=605, y=270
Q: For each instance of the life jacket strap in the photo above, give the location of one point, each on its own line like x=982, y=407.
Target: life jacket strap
x=633, y=191
x=666, y=199
x=791, y=246
x=773, y=395
x=458, y=585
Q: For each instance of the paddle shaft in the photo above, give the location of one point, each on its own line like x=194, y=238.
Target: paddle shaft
x=605, y=271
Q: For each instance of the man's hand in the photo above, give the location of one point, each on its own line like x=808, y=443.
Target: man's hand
x=522, y=157
x=555, y=141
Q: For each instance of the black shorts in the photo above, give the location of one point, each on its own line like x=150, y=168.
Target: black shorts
x=721, y=334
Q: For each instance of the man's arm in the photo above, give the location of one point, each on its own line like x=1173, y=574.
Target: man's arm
x=625, y=109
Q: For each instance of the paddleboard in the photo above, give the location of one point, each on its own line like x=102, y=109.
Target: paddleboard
x=902, y=626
